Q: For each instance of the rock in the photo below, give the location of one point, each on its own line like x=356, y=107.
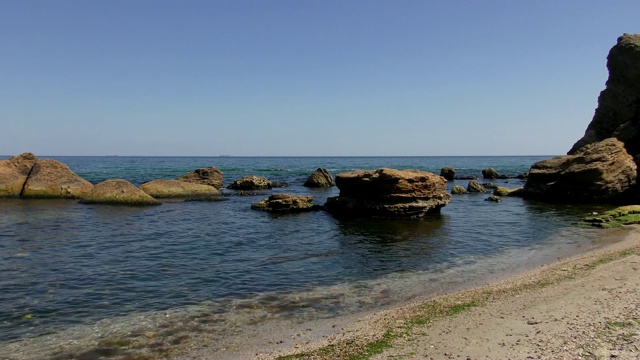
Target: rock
x=320, y=178
x=624, y=215
x=489, y=186
x=617, y=114
x=14, y=172
x=285, y=203
x=458, y=189
x=205, y=176
x=490, y=174
x=493, y=198
x=118, y=192
x=279, y=184
x=177, y=189
x=52, y=179
x=523, y=176
x=501, y=191
x=251, y=183
x=448, y=173
x=388, y=193
x=475, y=186
x=598, y=172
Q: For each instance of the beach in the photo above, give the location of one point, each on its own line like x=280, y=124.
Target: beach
x=583, y=307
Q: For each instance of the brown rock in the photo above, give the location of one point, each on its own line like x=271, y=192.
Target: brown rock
x=618, y=111
x=286, y=203
x=205, y=176
x=251, y=183
x=177, y=189
x=599, y=172
x=52, y=179
x=13, y=174
x=118, y=192
x=490, y=173
x=388, y=193
x=320, y=178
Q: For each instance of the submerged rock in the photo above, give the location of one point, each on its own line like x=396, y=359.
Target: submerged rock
x=204, y=176
x=52, y=179
x=388, y=193
x=118, y=192
x=320, y=178
x=251, y=183
x=286, y=203
x=177, y=189
x=458, y=189
x=624, y=215
x=493, y=198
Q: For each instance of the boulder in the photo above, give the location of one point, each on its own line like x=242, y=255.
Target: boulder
x=388, y=193
x=490, y=173
x=319, y=178
x=475, y=186
x=251, y=183
x=598, y=172
x=118, y=192
x=285, y=203
x=448, y=173
x=493, y=198
x=458, y=189
x=177, y=189
x=13, y=174
x=52, y=179
x=205, y=176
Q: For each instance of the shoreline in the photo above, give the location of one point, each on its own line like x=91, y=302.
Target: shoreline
x=585, y=306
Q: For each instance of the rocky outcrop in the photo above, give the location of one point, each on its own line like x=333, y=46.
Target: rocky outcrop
x=251, y=183
x=618, y=111
x=14, y=173
x=205, y=176
x=320, y=178
x=177, y=189
x=285, y=203
x=598, y=172
x=458, y=190
x=118, y=192
x=388, y=193
x=52, y=179
x=448, y=173
x=475, y=186
x=602, y=165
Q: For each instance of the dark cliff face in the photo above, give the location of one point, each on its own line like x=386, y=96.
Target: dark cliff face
x=618, y=112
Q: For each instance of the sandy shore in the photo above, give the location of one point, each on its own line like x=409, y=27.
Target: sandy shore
x=586, y=307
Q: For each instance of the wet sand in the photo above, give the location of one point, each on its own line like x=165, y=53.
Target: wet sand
x=586, y=306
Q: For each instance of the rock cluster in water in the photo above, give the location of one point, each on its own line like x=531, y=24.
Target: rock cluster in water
x=603, y=165
x=285, y=203
x=388, y=193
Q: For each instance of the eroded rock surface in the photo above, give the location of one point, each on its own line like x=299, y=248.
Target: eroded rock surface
x=177, y=189
x=206, y=176
x=285, y=203
x=388, y=193
x=320, y=178
x=51, y=179
x=251, y=183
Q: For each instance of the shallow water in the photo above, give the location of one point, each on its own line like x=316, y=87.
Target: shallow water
x=66, y=267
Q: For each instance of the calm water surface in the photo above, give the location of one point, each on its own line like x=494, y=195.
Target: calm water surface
x=65, y=264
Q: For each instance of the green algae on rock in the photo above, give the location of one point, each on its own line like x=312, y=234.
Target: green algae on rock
x=624, y=215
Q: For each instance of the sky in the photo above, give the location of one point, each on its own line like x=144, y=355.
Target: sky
x=303, y=77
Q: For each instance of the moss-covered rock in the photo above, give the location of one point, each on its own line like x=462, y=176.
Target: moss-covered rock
x=458, y=190
x=501, y=191
x=475, y=186
x=493, y=198
x=624, y=215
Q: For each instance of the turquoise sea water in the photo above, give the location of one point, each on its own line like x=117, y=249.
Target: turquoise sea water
x=65, y=265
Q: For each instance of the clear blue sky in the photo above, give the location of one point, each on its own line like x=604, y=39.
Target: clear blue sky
x=298, y=77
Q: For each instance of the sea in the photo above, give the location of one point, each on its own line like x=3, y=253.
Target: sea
x=103, y=281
